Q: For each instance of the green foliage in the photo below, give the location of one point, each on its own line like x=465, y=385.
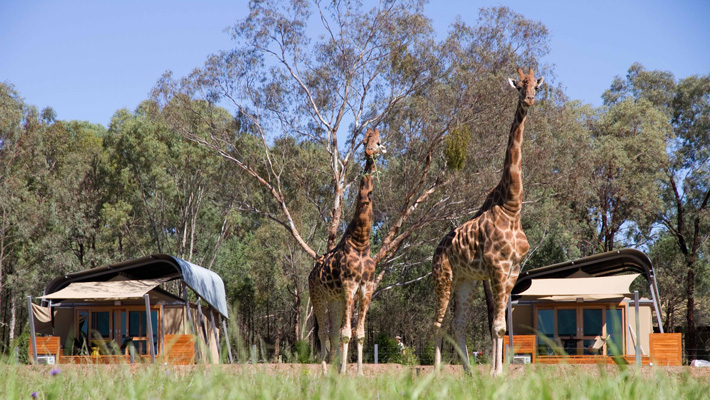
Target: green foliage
x=456, y=147
x=301, y=353
x=144, y=382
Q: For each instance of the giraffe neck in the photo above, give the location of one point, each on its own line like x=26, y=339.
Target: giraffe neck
x=511, y=184
x=358, y=231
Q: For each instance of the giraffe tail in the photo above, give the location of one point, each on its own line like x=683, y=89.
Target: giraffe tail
x=443, y=278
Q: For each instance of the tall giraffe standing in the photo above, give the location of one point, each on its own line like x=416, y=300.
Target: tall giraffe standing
x=489, y=246
x=347, y=270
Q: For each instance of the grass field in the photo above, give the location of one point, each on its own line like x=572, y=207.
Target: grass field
x=294, y=381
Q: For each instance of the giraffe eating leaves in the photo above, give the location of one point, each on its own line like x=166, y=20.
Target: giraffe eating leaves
x=488, y=247
x=347, y=271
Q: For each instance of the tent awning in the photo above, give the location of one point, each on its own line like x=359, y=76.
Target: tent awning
x=109, y=290
x=593, y=288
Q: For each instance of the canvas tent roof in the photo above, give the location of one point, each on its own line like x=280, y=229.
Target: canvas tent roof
x=590, y=288
x=109, y=290
x=624, y=261
x=207, y=284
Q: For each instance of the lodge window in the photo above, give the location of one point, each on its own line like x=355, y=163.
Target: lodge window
x=580, y=329
x=114, y=330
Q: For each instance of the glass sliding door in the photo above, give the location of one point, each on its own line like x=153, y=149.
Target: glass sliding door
x=546, y=331
x=580, y=329
x=593, y=330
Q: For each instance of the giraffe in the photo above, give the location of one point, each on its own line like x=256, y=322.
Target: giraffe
x=489, y=246
x=347, y=270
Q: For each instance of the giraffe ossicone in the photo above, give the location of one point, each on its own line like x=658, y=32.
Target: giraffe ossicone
x=490, y=246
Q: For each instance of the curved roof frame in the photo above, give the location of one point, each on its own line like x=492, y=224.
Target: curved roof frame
x=206, y=284
x=604, y=264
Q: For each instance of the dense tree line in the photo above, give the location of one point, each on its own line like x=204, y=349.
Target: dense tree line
x=248, y=167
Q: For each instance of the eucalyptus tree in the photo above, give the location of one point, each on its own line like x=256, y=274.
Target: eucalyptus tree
x=684, y=183
x=164, y=192
x=320, y=74
x=687, y=186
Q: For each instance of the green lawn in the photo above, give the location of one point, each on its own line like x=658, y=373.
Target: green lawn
x=246, y=382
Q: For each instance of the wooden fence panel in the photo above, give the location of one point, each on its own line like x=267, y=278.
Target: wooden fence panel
x=666, y=348
x=180, y=349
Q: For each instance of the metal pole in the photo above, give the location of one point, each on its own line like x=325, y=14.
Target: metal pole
x=189, y=318
x=203, y=329
x=149, y=324
x=226, y=338
x=253, y=354
x=216, y=337
x=638, y=329
x=33, y=337
x=376, y=353
x=511, y=349
x=656, y=302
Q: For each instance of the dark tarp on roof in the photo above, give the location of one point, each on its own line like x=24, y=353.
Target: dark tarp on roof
x=207, y=284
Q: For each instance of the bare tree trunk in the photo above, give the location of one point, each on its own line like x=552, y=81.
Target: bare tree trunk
x=277, y=343
x=691, y=335
x=13, y=317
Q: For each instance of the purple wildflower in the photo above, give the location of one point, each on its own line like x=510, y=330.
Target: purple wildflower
x=34, y=395
x=54, y=372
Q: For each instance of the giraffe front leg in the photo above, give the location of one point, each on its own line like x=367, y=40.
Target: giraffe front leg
x=346, y=327
x=365, y=292
x=501, y=292
x=336, y=308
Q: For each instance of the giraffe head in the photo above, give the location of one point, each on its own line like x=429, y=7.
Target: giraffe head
x=526, y=85
x=372, y=143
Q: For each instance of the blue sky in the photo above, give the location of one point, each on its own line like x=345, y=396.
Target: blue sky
x=87, y=59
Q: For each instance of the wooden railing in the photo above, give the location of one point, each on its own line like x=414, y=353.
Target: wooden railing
x=47, y=346
x=179, y=350
x=522, y=344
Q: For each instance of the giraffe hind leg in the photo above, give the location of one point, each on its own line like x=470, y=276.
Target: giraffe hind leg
x=320, y=309
x=464, y=298
x=442, y=289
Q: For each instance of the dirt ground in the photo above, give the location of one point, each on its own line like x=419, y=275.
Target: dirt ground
x=457, y=370
x=371, y=370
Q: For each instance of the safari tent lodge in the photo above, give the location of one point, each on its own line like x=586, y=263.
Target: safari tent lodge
x=584, y=312
x=156, y=306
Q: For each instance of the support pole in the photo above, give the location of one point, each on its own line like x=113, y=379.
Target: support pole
x=511, y=349
x=149, y=324
x=33, y=337
x=190, y=319
x=638, y=329
x=656, y=302
x=204, y=329
x=376, y=360
x=216, y=337
x=226, y=338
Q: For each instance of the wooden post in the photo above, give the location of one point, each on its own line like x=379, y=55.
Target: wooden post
x=226, y=338
x=149, y=324
x=638, y=329
x=216, y=337
x=656, y=304
x=33, y=334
